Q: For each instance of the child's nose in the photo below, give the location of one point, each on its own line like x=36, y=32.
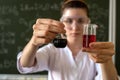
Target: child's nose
x=75, y=25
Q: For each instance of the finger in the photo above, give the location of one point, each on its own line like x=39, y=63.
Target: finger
x=104, y=45
x=98, y=56
x=56, y=29
x=44, y=34
x=42, y=41
x=100, y=59
x=50, y=22
x=100, y=51
x=51, y=28
x=95, y=59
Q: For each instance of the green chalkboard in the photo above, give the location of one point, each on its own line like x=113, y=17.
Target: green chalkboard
x=18, y=16
x=117, y=57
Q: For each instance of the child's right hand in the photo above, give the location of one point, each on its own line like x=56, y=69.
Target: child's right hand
x=45, y=30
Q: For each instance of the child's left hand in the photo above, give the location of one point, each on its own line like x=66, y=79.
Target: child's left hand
x=100, y=52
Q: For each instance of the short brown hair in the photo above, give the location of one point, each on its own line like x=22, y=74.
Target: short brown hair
x=74, y=4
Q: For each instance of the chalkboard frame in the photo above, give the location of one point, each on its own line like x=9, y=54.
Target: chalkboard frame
x=117, y=57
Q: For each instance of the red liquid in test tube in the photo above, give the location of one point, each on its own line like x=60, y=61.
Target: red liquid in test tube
x=87, y=39
x=89, y=34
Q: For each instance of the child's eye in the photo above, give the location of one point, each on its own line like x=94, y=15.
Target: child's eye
x=81, y=21
x=69, y=21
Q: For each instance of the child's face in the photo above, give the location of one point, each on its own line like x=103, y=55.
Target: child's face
x=73, y=19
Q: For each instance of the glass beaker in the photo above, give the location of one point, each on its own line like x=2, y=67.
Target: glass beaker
x=60, y=41
x=89, y=34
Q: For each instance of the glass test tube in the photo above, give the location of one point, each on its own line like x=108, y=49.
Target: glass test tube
x=89, y=34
